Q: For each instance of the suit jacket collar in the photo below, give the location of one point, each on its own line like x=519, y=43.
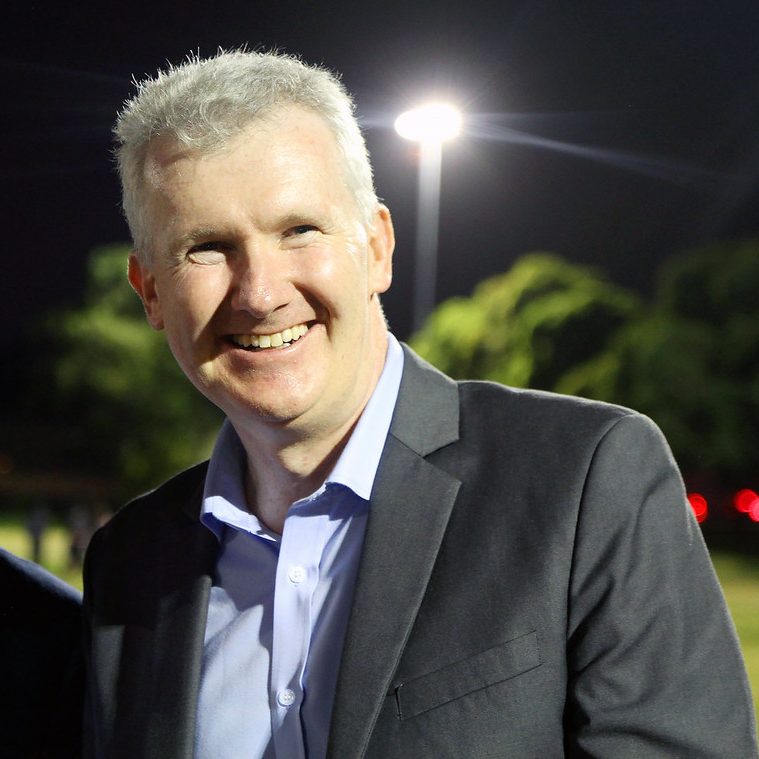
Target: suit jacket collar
x=410, y=506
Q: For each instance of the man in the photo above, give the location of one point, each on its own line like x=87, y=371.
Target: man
x=377, y=561
x=43, y=671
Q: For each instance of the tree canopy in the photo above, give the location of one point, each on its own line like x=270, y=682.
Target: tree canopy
x=134, y=414
x=689, y=358
x=528, y=326
x=691, y=361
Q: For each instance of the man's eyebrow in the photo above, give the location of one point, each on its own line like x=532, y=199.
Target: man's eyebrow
x=194, y=235
x=291, y=218
x=317, y=217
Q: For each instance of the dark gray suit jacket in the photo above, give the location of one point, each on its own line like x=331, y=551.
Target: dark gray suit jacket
x=532, y=584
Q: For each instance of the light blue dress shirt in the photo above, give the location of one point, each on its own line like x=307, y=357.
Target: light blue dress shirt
x=279, y=605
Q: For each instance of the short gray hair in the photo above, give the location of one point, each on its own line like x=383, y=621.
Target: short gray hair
x=202, y=103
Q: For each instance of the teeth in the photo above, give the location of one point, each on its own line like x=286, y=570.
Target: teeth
x=276, y=340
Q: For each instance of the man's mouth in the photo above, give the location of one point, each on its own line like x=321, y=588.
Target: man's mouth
x=275, y=340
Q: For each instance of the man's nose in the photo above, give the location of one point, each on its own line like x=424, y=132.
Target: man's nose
x=261, y=282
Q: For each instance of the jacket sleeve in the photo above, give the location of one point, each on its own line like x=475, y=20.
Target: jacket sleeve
x=654, y=664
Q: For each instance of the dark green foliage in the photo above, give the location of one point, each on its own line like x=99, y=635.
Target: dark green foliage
x=135, y=416
x=692, y=362
x=527, y=327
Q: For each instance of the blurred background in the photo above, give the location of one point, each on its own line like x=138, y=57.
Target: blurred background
x=598, y=234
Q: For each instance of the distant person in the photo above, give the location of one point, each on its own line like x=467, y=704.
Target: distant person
x=377, y=561
x=80, y=530
x=42, y=672
x=37, y=520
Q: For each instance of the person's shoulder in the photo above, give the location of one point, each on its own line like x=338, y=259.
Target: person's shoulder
x=163, y=503
x=480, y=390
x=181, y=486
x=537, y=408
x=539, y=421
x=492, y=412
x=491, y=399
x=39, y=589
x=142, y=526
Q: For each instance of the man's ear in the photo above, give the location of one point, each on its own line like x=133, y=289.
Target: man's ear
x=381, y=246
x=143, y=283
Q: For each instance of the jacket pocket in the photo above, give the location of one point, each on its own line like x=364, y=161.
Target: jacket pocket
x=453, y=681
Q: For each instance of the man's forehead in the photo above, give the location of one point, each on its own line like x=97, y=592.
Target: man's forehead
x=287, y=165
x=167, y=152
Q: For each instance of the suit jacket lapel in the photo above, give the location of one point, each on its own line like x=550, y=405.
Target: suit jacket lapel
x=147, y=643
x=179, y=636
x=410, y=505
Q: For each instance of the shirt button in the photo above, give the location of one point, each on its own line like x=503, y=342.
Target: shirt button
x=286, y=697
x=297, y=574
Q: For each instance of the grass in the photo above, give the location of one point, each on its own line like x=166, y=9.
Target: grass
x=739, y=577
x=738, y=574
x=55, y=548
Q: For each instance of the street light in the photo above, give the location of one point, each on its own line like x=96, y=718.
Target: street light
x=429, y=125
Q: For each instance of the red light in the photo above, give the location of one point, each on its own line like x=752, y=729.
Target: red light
x=745, y=501
x=700, y=506
x=753, y=512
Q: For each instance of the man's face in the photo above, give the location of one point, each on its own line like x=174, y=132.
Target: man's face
x=261, y=244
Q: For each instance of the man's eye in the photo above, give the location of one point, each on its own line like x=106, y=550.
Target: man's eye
x=300, y=229
x=207, y=253
x=300, y=236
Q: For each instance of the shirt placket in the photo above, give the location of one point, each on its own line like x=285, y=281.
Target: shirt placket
x=296, y=581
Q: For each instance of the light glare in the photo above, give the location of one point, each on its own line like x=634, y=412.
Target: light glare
x=434, y=123
x=744, y=500
x=699, y=505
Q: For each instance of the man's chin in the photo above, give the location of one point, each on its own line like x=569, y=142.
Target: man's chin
x=275, y=412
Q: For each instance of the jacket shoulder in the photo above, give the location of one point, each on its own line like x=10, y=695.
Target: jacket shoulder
x=434, y=410
x=34, y=590
x=537, y=405
x=149, y=538
x=493, y=404
x=164, y=501
x=533, y=425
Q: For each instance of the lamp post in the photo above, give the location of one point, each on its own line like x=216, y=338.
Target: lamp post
x=429, y=125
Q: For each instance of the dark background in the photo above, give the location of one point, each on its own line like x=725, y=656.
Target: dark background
x=637, y=127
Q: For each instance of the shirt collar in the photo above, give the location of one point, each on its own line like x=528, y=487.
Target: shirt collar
x=357, y=465
x=224, y=499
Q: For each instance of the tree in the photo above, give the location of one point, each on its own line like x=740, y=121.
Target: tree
x=692, y=361
x=134, y=414
x=527, y=327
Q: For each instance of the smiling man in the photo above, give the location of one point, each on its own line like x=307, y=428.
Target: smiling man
x=376, y=561
x=268, y=292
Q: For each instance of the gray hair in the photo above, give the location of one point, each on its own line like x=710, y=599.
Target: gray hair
x=202, y=103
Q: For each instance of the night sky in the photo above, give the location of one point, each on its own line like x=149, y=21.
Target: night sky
x=611, y=133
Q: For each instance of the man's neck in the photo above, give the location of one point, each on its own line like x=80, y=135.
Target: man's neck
x=287, y=462
x=277, y=478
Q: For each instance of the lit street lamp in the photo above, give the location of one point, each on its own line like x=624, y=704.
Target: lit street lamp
x=430, y=126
